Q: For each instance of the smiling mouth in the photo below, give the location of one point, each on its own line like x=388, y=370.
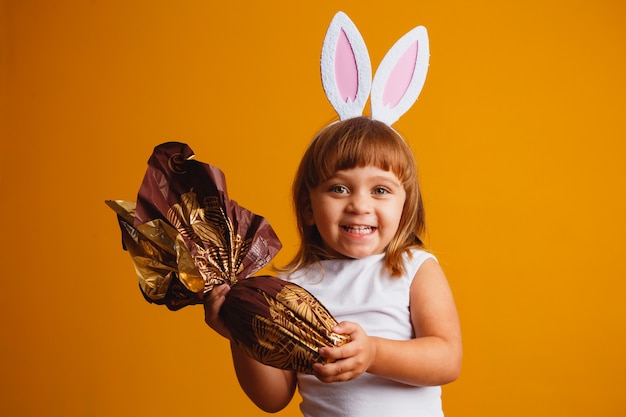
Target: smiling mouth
x=359, y=230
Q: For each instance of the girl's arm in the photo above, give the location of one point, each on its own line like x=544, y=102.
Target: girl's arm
x=271, y=389
x=432, y=358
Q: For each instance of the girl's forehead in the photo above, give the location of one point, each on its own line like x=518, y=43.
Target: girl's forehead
x=369, y=174
x=365, y=171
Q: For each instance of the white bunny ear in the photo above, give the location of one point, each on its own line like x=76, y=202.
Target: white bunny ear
x=400, y=76
x=346, y=68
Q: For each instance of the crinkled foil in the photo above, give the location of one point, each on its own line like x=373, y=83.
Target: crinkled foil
x=185, y=236
x=225, y=240
x=161, y=259
x=279, y=323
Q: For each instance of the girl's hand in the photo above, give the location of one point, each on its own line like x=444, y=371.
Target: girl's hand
x=212, y=304
x=348, y=361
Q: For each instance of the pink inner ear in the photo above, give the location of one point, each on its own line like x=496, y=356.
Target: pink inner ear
x=400, y=77
x=346, y=72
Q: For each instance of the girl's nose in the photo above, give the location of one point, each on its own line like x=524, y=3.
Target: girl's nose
x=359, y=204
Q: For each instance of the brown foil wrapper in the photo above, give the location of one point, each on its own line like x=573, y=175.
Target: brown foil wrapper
x=279, y=323
x=185, y=236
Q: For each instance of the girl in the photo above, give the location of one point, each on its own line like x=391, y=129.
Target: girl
x=360, y=217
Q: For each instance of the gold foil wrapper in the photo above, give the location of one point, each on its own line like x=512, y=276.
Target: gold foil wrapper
x=185, y=236
x=279, y=323
x=165, y=269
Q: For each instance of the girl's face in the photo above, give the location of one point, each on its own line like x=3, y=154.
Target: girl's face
x=357, y=212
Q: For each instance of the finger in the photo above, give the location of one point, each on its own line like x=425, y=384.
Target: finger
x=334, y=372
x=220, y=290
x=214, y=301
x=345, y=327
x=217, y=294
x=323, y=372
x=335, y=353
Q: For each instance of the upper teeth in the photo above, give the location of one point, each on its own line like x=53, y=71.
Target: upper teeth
x=358, y=228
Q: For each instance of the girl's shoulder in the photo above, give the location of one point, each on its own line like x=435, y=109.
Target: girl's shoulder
x=417, y=254
x=414, y=258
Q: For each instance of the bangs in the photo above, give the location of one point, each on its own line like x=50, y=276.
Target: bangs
x=362, y=142
x=355, y=143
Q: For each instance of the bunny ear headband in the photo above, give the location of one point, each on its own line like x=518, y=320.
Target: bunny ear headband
x=347, y=72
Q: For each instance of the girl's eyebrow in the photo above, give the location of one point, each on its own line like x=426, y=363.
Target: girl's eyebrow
x=386, y=180
x=376, y=179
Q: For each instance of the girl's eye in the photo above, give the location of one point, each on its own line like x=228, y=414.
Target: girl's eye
x=339, y=189
x=380, y=191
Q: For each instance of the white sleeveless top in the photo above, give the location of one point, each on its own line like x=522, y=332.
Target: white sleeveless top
x=362, y=291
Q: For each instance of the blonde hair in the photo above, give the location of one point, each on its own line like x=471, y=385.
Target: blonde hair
x=352, y=143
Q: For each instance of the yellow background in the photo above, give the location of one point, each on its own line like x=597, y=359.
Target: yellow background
x=520, y=138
